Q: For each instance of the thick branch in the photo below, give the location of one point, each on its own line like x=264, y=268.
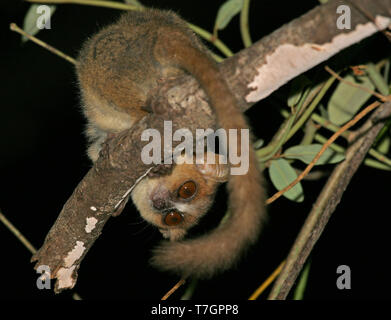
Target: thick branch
x=327, y=201
x=104, y=190
x=296, y=47
x=252, y=74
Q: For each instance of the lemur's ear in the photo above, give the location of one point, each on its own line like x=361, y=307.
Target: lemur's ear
x=215, y=167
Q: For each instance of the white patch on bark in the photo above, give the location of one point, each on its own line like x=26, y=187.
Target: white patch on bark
x=91, y=222
x=288, y=61
x=74, y=254
x=64, y=274
x=64, y=278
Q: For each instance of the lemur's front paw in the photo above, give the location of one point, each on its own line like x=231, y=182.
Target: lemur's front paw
x=160, y=170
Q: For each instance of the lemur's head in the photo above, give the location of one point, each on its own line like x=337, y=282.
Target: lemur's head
x=175, y=202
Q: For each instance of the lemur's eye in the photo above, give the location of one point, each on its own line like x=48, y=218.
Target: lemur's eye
x=187, y=190
x=173, y=218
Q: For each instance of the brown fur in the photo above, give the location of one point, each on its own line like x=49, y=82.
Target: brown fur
x=119, y=67
x=164, y=190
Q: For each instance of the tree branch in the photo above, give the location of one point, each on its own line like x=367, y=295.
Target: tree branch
x=327, y=201
x=252, y=74
x=257, y=71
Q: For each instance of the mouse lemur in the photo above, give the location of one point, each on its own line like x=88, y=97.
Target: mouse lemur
x=117, y=68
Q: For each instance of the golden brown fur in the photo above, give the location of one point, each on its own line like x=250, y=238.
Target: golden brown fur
x=117, y=69
x=166, y=188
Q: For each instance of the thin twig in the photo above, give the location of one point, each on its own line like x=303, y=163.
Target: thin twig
x=376, y=94
x=367, y=161
x=324, y=147
x=301, y=176
x=244, y=28
x=15, y=28
x=213, y=40
x=327, y=202
x=17, y=233
x=328, y=125
x=98, y=3
x=173, y=289
x=125, y=6
x=267, y=282
x=308, y=111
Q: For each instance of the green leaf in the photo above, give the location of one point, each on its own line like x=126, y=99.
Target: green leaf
x=302, y=283
x=282, y=174
x=386, y=72
x=258, y=144
x=307, y=153
x=227, y=11
x=385, y=131
x=377, y=79
x=384, y=145
x=297, y=90
x=30, y=19
x=323, y=111
x=347, y=100
x=190, y=289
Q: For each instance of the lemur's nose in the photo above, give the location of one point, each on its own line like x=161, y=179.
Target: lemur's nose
x=159, y=203
x=160, y=199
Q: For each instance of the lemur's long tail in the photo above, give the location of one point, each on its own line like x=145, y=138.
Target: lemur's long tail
x=219, y=249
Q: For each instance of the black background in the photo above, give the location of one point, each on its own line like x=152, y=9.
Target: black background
x=42, y=159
